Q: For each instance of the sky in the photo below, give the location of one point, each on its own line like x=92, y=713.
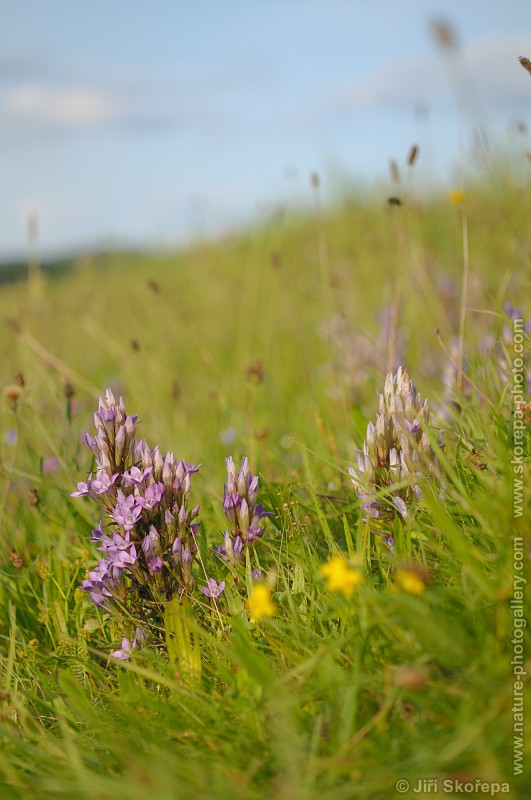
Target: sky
x=151, y=124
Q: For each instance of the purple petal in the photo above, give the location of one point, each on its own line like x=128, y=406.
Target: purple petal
x=401, y=506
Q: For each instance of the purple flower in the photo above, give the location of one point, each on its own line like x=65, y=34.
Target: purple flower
x=98, y=593
x=84, y=489
x=50, y=464
x=259, y=514
x=99, y=582
x=252, y=534
x=252, y=491
x=213, y=589
x=239, y=502
x=231, y=502
x=123, y=559
x=145, y=498
x=152, y=496
x=95, y=486
x=232, y=549
x=11, y=437
x=102, y=483
x=155, y=564
x=151, y=543
x=411, y=427
x=124, y=654
x=140, y=638
x=126, y=512
x=177, y=550
x=105, y=414
x=120, y=553
x=98, y=533
x=401, y=506
x=136, y=476
x=227, y=435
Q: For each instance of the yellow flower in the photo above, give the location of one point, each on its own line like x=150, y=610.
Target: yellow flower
x=410, y=581
x=340, y=577
x=260, y=603
x=456, y=197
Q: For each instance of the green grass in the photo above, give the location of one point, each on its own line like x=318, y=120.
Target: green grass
x=274, y=338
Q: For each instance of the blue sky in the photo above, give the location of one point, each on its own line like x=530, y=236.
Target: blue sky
x=150, y=123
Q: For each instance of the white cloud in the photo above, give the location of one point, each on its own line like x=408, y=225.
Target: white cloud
x=33, y=110
x=491, y=66
x=72, y=107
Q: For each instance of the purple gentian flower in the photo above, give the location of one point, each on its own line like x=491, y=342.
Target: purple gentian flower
x=177, y=551
x=84, y=489
x=137, y=476
x=151, y=543
x=126, y=512
x=95, y=486
x=252, y=534
x=11, y=437
x=99, y=594
x=411, y=427
x=102, y=482
x=50, y=464
x=231, y=503
x=124, y=654
x=140, y=638
x=231, y=550
x=104, y=414
x=155, y=564
x=213, y=589
x=98, y=533
x=401, y=506
x=152, y=496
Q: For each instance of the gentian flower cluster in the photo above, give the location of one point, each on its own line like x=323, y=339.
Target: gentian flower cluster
x=493, y=351
x=397, y=450
x=148, y=531
x=241, y=510
x=149, y=539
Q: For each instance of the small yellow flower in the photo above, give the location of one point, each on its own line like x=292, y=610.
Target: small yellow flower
x=260, y=603
x=410, y=581
x=340, y=576
x=456, y=197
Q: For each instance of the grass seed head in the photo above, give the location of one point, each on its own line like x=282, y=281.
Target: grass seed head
x=526, y=63
x=413, y=155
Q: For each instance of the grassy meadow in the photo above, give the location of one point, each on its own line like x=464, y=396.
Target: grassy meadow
x=274, y=344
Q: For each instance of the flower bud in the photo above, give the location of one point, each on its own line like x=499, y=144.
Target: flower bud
x=158, y=463
x=177, y=551
x=167, y=475
x=130, y=426
x=119, y=443
x=109, y=399
x=186, y=560
x=151, y=543
x=252, y=491
x=147, y=460
x=244, y=515
x=232, y=476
